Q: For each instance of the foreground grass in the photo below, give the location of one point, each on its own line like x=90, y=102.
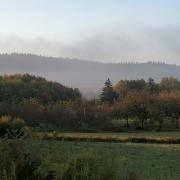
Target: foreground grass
x=122, y=161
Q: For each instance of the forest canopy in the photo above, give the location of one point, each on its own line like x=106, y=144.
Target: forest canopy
x=15, y=88
x=27, y=100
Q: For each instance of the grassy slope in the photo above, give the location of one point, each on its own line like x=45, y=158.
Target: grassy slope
x=145, y=159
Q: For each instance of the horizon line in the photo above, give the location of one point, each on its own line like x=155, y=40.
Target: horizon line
x=87, y=60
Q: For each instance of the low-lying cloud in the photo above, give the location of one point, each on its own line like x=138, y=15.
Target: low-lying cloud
x=117, y=45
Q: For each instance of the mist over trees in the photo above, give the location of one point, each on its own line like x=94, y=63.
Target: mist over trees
x=88, y=76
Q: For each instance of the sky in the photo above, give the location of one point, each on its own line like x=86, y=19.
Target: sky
x=99, y=30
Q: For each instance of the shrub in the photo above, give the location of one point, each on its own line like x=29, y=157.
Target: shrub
x=15, y=162
x=13, y=127
x=4, y=124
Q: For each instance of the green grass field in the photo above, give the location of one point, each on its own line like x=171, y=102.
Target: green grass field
x=139, y=161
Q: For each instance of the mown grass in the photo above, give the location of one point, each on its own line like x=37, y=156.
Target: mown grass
x=125, y=161
x=145, y=137
x=132, y=134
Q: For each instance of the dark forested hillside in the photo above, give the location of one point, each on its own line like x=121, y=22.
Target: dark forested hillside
x=87, y=75
x=15, y=88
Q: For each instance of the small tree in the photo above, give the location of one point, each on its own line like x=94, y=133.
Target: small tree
x=108, y=93
x=152, y=87
x=156, y=112
x=121, y=88
x=169, y=84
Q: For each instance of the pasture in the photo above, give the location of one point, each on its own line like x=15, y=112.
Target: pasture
x=92, y=156
x=108, y=160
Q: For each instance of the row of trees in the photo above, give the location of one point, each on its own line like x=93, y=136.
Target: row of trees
x=136, y=111
x=143, y=101
x=64, y=115
x=123, y=87
x=148, y=109
x=129, y=104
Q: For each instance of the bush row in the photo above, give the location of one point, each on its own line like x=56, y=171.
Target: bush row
x=153, y=140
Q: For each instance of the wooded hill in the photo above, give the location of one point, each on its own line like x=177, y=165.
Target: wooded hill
x=88, y=76
x=15, y=88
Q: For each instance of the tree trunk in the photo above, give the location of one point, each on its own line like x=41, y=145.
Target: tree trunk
x=160, y=126
x=127, y=121
x=177, y=123
x=142, y=123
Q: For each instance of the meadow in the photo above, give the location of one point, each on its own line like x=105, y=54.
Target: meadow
x=91, y=156
x=98, y=160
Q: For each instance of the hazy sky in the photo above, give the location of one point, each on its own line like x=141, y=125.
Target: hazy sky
x=102, y=30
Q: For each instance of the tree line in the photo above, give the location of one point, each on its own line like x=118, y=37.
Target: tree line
x=146, y=104
x=27, y=100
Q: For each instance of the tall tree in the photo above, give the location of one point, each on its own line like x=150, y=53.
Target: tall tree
x=152, y=87
x=108, y=93
x=121, y=88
